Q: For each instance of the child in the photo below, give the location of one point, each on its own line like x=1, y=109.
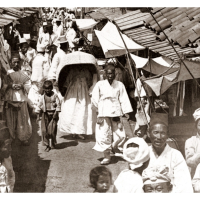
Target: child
x=100, y=179
x=49, y=104
x=136, y=153
x=7, y=175
x=157, y=180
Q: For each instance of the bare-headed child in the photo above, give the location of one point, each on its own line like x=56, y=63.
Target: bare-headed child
x=48, y=108
x=100, y=179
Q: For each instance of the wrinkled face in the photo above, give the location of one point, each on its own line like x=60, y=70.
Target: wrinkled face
x=158, y=134
x=48, y=89
x=15, y=64
x=5, y=150
x=24, y=48
x=103, y=184
x=163, y=187
x=110, y=75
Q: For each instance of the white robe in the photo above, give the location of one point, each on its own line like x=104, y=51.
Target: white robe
x=76, y=112
x=111, y=100
x=128, y=181
x=178, y=170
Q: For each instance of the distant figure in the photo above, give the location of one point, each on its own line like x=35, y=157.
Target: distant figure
x=100, y=179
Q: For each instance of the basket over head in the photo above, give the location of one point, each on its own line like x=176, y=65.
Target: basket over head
x=72, y=59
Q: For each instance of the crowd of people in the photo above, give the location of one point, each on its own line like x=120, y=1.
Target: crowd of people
x=61, y=86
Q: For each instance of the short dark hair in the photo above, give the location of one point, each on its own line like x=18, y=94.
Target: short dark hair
x=64, y=46
x=47, y=83
x=99, y=171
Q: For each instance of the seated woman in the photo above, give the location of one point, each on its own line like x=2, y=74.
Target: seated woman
x=156, y=180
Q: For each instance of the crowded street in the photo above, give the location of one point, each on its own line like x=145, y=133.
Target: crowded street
x=99, y=100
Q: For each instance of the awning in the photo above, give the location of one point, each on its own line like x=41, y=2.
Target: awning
x=155, y=65
x=159, y=84
x=112, y=43
x=85, y=24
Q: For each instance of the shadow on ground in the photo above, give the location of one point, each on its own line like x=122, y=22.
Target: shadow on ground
x=30, y=170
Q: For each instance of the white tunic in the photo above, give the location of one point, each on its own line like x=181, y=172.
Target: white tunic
x=128, y=181
x=55, y=63
x=111, y=100
x=178, y=170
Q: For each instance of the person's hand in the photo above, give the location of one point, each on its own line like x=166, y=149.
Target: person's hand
x=100, y=120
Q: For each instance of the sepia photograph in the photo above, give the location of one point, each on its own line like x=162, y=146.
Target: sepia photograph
x=99, y=99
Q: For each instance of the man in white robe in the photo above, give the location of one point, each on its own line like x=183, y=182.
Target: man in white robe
x=110, y=99
x=161, y=154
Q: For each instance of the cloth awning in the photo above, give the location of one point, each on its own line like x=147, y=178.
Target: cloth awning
x=159, y=84
x=85, y=24
x=154, y=65
x=112, y=43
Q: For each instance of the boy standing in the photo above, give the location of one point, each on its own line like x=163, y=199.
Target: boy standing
x=49, y=105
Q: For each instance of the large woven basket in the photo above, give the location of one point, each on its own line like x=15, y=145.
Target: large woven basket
x=72, y=59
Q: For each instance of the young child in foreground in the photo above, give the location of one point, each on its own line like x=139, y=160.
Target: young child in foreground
x=136, y=153
x=100, y=179
x=49, y=106
x=7, y=175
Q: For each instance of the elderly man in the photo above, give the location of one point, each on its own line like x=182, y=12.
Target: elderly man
x=110, y=99
x=161, y=154
x=18, y=120
x=192, y=146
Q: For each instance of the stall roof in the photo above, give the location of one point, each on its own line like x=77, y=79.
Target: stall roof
x=10, y=14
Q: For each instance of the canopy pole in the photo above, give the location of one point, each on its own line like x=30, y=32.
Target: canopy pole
x=128, y=54
x=173, y=47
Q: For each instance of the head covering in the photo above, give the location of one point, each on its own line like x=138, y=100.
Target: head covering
x=196, y=114
x=136, y=156
x=40, y=48
x=109, y=66
x=27, y=36
x=44, y=24
x=157, y=118
x=62, y=39
x=157, y=174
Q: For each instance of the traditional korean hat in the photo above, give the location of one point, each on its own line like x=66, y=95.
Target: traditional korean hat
x=157, y=118
x=196, y=114
x=44, y=24
x=157, y=174
x=62, y=39
x=136, y=156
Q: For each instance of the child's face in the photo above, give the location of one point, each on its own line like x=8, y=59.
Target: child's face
x=48, y=89
x=163, y=187
x=5, y=150
x=103, y=184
